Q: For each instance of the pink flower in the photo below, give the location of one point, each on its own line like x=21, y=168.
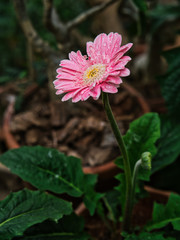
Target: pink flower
x=82, y=77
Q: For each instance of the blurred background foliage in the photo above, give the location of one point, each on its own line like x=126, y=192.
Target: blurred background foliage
x=12, y=44
x=138, y=18
x=13, y=61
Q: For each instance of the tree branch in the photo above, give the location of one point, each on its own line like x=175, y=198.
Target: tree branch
x=38, y=43
x=53, y=23
x=90, y=12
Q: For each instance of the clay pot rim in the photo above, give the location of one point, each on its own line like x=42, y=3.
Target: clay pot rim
x=103, y=169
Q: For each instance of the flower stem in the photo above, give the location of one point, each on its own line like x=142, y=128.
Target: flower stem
x=127, y=169
x=145, y=163
x=134, y=181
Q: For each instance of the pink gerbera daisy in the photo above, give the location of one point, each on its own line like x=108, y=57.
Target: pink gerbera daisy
x=81, y=77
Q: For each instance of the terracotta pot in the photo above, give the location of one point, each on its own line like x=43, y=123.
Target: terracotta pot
x=1, y=135
x=104, y=171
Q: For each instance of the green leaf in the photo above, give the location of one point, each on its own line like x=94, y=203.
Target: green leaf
x=140, y=192
x=141, y=137
x=163, y=13
x=141, y=4
x=25, y=208
x=91, y=199
x=48, y=169
x=168, y=145
x=111, y=200
x=148, y=236
x=121, y=188
x=173, y=59
x=68, y=228
x=163, y=215
x=170, y=84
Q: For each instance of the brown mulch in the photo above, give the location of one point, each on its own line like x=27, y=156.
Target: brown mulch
x=79, y=129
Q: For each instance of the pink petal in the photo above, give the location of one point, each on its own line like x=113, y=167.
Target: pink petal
x=73, y=56
x=95, y=92
x=78, y=58
x=117, y=57
x=60, y=84
x=70, y=65
x=69, y=95
x=56, y=82
x=125, y=59
x=107, y=50
x=126, y=47
x=90, y=49
x=65, y=75
x=108, y=88
x=60, y=91
x=125, y=72
x=122, y=62
x=78, y=96
x=112, y=79
x=114, y=40
x=85, y=95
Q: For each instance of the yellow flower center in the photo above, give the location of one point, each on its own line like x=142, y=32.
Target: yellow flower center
x=94, y=74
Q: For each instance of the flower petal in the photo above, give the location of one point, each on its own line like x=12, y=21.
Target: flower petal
x=125, y=72
x=70, y=65
x=109, y=88
x=70, y=94
x=117, y=57
x=95, y=92
x=81, y=78
x=114, y=80
x=78, y=58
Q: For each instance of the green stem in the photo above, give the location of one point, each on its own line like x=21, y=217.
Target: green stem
x=127, y=169
x=134, y=181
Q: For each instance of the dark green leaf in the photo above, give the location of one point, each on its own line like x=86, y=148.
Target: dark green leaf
x=48, y=169
x=141, y=4
x=170, y=84
x=111, y=200
x=23, y=209
x=173, y=59
x=168, y=145
x=68, y=228
x=148, y=236
x=162, y=14
x=163, y=215
x=141, y=137
x=91, y=199
x=121, y=188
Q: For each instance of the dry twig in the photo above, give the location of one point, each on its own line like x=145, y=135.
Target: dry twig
x=90, y=12
x=53, y=23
